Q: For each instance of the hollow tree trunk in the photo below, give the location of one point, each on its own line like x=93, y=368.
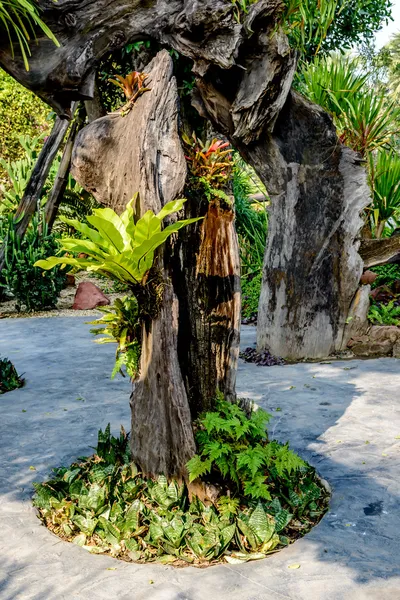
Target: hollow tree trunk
x=142, y=152
x=312, y=267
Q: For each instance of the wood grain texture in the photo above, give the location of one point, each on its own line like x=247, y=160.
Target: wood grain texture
x=190, y=350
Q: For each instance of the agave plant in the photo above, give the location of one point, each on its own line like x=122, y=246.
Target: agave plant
x=385, y=185
x=117, y=246
x=19, y=18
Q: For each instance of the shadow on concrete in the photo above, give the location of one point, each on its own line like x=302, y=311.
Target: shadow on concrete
x=342, y=417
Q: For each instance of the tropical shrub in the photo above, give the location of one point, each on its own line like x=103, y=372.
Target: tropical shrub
x=32, y=289
x=385, y=314
x=368, y=122
x=387, y=275
x=307, y=22
x=21, y=114
x=9, y=378
x=331, y=24
x=234, y=451
x=105, y=505
x=121, y=325
x=251, y=290
x=384, y=171
x=364, y=118
x=251, y=219
x=18, y=172
x=329, y=80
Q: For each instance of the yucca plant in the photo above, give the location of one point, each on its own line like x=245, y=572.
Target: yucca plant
x=119, y=247
x=385, y=184
x=328, y=80
x=367, y=121
x=19, y=18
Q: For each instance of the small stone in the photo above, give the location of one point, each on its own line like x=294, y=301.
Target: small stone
x=368, y=277
x=89, y=296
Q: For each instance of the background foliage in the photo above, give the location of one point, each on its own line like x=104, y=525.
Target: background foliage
x=21, y=113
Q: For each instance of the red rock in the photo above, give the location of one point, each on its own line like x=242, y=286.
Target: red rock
x=70, y=280
x=89, y=296
x=382, y=294
x=368, y=277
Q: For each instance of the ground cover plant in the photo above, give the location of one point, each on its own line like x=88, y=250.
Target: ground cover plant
x=9, y=378
x=387, y=275
x=268, y=497
x=385, y=314
x=32, y=289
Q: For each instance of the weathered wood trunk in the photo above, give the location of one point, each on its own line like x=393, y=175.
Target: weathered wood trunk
x=312, y=267
x=244, y=73
x=207, y=282
x=61, y=180
x=380, y=252
x=189, y=351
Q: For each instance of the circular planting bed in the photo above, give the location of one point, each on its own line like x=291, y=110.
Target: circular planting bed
x=254, y=496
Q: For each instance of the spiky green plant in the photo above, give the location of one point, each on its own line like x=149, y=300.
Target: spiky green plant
x=18, y=19
x=328, y=80
x=307, y=22
x=385, y=184
x=367, y=121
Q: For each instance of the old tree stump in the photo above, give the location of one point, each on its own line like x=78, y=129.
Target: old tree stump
x=244, y=73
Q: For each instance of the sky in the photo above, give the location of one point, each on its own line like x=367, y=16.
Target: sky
x=383, y=36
